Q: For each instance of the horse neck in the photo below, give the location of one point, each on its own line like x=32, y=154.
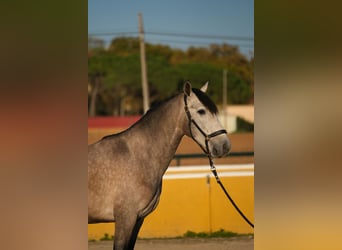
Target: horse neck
x=161, y=131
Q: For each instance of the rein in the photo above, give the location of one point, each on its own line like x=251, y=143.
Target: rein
x=208, y=153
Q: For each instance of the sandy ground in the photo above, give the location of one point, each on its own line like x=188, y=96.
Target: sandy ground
x=235, y=243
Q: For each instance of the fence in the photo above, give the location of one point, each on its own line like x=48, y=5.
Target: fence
x=179, y=157
x=191, y=200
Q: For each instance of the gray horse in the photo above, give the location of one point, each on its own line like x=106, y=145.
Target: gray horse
x=125, y=170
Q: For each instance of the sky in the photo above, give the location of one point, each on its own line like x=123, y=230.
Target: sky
x=216, y=21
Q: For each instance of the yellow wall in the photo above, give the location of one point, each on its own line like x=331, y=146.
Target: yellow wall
x=188, y=202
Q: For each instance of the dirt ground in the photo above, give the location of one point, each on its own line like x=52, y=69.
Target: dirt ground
x=235, y=243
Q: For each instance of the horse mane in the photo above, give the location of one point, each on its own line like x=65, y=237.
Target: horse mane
x=157, y=104
x=152, y=109
x=206, y=101
x=202, y=97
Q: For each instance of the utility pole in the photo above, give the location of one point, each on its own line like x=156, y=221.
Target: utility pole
x=96, y=82
x=224, y=100
x=146, y=101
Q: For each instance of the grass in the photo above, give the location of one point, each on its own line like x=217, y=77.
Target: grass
x=216, y=234
x=107, y=237
x=189, y=234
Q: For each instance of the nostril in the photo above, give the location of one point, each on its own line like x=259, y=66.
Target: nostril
x=221, y=149
x=215, y=151
x=226, y=147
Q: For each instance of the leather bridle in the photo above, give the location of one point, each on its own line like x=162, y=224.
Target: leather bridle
x=207, y=151
x=206, y=136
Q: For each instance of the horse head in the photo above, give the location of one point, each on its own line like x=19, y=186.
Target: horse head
x=203, y=124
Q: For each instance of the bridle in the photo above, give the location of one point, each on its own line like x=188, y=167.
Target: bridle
x=206, y=136
x=208, y=153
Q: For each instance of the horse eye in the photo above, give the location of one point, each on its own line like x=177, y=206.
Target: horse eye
x=201, y=112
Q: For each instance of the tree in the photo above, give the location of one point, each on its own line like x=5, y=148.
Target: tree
x=118, y=90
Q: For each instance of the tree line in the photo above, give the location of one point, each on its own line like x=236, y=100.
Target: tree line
x=114, y=74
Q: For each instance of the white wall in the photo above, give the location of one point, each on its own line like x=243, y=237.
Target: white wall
x=230, y=125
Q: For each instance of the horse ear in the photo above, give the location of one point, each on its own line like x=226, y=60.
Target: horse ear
x=205, y=87
x=187, y=88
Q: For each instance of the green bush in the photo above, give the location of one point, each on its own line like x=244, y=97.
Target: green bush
x=107, y=237
x=244, y=126
x=219, y=233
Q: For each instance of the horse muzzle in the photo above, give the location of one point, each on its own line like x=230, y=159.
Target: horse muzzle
x=220, y=146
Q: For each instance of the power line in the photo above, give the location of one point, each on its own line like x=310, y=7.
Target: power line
x=114, y=33
x=239, y=40
x=197, y=43
x=242, y=38
x=174, y=34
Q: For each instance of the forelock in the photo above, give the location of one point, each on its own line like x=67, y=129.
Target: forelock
x=206, y=101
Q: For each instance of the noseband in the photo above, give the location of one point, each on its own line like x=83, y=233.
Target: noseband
x=206, y=136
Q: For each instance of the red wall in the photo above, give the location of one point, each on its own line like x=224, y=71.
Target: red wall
x=112, y=121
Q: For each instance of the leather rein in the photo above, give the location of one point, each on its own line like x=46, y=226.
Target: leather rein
x=208, y=153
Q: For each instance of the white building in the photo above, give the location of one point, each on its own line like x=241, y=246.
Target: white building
x=245, y=112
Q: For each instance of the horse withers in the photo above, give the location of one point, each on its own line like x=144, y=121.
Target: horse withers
x=125, y=170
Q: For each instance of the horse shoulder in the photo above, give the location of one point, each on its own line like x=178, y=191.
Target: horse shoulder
x=109, y=148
